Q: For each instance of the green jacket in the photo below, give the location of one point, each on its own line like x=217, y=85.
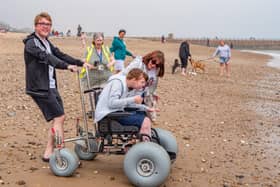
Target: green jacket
x=119, y=49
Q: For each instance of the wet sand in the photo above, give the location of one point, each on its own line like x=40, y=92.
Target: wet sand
x=227, y=129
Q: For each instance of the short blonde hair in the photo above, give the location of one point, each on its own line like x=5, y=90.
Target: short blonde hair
x=42, y=15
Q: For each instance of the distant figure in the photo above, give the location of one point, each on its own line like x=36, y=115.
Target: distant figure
x=224, y=53
x=231, y=45
x=68, y=33
x=208, y=42
x=83, y=39
x=52, y=33
x=119, y=49
x=184, y=54
x=162, y=39
x=79, y=30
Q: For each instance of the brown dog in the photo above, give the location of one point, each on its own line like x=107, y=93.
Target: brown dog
x=197, y=65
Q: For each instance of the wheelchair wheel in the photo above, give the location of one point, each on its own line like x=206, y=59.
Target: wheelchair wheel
x=168, y=142
x=83, y=153
x=146, y=164
x=69, y=163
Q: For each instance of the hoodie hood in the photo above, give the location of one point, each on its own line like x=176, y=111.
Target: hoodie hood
x=30, y=36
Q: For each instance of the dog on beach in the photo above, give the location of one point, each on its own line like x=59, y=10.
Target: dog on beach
x=175, y=65
x=197, y=65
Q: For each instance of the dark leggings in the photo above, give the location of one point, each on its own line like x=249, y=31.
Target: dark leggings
x=184, y=62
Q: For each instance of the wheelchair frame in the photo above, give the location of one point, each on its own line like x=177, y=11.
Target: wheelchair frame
x=112, y=139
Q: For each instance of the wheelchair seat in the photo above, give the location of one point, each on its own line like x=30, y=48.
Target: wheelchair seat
x=109, y=125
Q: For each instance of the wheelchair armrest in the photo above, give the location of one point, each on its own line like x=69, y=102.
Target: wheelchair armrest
x=118, y=114
x=95, y=89
x=131, y=109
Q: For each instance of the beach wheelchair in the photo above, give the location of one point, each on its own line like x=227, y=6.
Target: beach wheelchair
x=145, y=163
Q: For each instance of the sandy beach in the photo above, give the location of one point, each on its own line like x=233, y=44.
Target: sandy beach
x=228, y=129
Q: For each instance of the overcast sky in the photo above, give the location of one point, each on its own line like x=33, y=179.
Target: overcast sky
x=184, y=18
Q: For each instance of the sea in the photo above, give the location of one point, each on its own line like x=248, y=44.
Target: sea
x=275, y=54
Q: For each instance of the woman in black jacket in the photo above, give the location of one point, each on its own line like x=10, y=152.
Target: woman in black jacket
x=184, y=54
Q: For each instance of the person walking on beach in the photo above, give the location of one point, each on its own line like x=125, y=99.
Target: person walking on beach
x=83, y=40
x=184, y=54
x=79, y=30
x=120, y=52
x=41, y=59
x=224, y=53
x=162, y=39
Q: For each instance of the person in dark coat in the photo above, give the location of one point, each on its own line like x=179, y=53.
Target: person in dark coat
x=184, y=54
x=42, y=58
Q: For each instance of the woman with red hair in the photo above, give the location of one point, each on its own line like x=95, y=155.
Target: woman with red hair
x=152, y=64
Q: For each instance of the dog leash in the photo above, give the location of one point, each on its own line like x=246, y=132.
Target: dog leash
x=205, y=59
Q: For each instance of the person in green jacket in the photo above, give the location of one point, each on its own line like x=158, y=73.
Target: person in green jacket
x=118, y=48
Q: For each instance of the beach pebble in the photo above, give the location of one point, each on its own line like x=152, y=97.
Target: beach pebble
x=202, y=170
x=21, y=182
x=77, y=174
x=226, y=185
x=11, y=114
x=203, y=160
x=33, y=168
x=186, y=137
x=95, y=172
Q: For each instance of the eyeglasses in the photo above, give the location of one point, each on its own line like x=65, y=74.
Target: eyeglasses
x=44, y=24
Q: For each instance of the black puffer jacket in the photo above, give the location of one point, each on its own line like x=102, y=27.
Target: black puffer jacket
x=184, y=51
x=37, y=62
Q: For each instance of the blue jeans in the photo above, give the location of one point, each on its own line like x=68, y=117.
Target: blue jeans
x=136, y=119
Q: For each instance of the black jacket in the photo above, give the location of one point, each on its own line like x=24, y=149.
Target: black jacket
x=184, y=51
x=37, y=62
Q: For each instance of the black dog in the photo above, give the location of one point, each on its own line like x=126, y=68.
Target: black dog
x=175, y=65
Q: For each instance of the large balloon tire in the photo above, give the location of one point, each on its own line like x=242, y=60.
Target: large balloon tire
x=70, y=163
x=168, y=142
x=83, y=153
x=147, y=164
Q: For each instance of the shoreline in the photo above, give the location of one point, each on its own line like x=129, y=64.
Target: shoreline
x=268, y=87
x=274, y=54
